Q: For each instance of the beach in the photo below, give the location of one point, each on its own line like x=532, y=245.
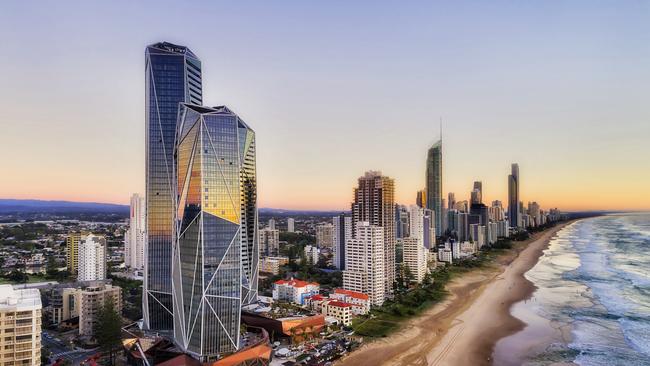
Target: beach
x=463, y=329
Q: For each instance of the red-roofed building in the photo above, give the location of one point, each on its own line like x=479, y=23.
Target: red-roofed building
x=340, y=310
x=315, y=302
x=360, y=302
x=295, y=291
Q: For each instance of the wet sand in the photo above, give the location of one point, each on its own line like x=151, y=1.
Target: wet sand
x=463, y=329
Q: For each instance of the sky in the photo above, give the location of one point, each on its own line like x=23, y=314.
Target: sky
x=336, y=88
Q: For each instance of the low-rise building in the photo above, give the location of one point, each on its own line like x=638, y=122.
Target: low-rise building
x=20, y=324
x=315, y=302
x=340, y=310
x=360, y=302
x=445, y=255
x=295, y=291
x=273, y=264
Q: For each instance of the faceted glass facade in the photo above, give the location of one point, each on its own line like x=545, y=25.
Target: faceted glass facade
x=173, y=76
x=215, y=248
x=434, y=184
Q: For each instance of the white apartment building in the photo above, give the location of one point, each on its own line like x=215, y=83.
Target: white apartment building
x=92, y=258
x=477, y=235
x=295, y=291
x=20, y=324
x=493, y=232
x=414, y=250
x=415, y=258
x=269, y=242
x=364, y=265
x=324, y=235
x=291, y=225
x=135, y=235
x=311, y=253
x=502, y=229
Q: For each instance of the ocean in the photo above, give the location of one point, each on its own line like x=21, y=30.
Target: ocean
x=592, y=303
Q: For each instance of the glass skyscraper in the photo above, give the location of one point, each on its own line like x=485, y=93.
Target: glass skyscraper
x=514, y=212
x=434, y=184
x=215, y=260
x=172, y=76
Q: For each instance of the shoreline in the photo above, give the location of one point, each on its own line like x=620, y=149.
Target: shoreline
x=464, y=328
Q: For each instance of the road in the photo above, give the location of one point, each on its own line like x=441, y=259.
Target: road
x=60, y=349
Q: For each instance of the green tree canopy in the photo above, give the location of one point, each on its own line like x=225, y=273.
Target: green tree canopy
x=108, y=329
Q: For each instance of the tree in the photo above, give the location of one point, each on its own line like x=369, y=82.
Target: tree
x=17, y=276
x=108, y=329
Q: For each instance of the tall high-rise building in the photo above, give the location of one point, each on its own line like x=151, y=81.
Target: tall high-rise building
x=401, y=221
x=463, y=226
x=374, y=202
x=434, y=183
x=342, y=232
x=421, y=198
x=496, y=211
x=325, y=235
x=534, y=211
x=216, y=254
x=451, y=201
x=476, y=197
x=269, y=241
x=462, y=206
x=477, y=192
x=514, y=213
x=72, y=252
x=92, y=258
x=20, y=316
x=414, y=247
x=134, y=236
x=272, y=224
x=443, y=206
x=291, y=225
x=364, y=262
x=172, y=76
x=452, y=222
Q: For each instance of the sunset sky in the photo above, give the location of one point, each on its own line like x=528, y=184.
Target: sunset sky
x=333, y=89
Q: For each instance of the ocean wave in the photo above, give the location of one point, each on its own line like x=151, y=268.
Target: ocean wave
x=594, y=276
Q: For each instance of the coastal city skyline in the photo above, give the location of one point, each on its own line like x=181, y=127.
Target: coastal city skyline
x=565, y=151
x=299, y=184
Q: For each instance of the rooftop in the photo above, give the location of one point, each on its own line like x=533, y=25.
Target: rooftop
x=295, y=283
x=12, y=299
x=339, y=304
x=356, y=295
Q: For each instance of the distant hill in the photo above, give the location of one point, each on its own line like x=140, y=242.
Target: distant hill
x=14, y=206
x=284, y=212
x=43, y=206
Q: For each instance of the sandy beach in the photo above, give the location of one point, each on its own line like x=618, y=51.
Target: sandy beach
x=463, y=329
